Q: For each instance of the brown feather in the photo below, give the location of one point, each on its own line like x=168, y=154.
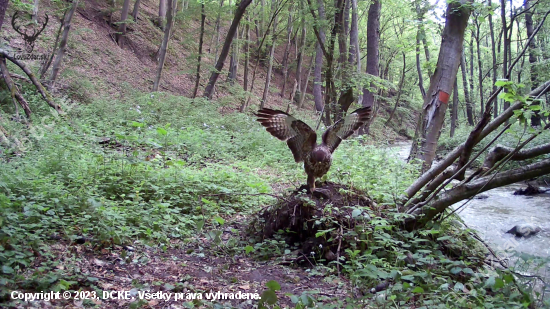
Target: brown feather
x=345, y=127
x=299, y=136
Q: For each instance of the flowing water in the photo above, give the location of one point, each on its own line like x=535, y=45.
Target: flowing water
x=496, y=211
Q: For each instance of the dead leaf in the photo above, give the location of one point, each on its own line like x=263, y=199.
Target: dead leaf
x=99, y=262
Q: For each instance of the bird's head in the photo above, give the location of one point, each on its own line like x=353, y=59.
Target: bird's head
x=320, y=155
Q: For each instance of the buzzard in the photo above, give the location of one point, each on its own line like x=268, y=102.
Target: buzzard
x=302, y=140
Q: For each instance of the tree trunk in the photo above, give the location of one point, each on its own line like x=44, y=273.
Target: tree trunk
x=239, y=12
x=35, y=11
x=162, y=14
x=317, y=73
x=400, y=90
x=164, y=46
x=12, y=88
x=506, y=48
x=122, y=27
x=306, y=82
x=201, y=39
x=217, y=33
x=443, y=79
x=342, y=37
x=471, y=79
x=247, y=53
x=286, y=53
x=234, y=59
x=494, y=54
x=113, y=9
x=373, y=40
x=271, y=55
x=135, y=11
x=354, y=52
x=268, y=77
x=454, y=109
x=418, y=65
x=3, y=8
x=535, y=118
x=64, y=38
x=301, y=47
x=47, y=64
x=469, y=111
x=479, y=70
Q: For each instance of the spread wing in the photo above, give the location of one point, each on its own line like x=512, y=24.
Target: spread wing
x=299, y=137
x=345, y=127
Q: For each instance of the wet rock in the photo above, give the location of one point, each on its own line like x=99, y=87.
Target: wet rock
x=481, y=196
x=524, y=230
x=530, y=190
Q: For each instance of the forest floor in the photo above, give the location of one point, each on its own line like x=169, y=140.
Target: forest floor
x=183, y=270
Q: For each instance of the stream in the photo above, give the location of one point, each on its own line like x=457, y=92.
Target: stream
x=494, y=212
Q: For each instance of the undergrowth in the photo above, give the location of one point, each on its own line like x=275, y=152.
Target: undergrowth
x=154, y=168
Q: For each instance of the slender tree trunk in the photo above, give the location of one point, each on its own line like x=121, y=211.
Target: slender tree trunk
x=247, y=53
x=262, y=29
x=420, y=36
x=494, y=54
x=234, y=59
x=164, y=46
x=162, y=14
x=535, y=118
x=301, y=47
x=271, y=55
x=64, y=38
x=454, y=109
x=471, y=79
x=373, y=41
x=469, y=111
x=12, y=88
x=419, y=66
x=347, y=9
x=479, y=71
x=354, y=52
x=201, y=39
x=342, y=37
x=317, y=73
x=35, y=11
x=306, y=82
x=113, y=9
x=400, y=90
x=136, y=10
x=47, y=64
x=286, y=53
x=239, y=12
x=354, y=56
x=442, y=82
x=3, y=8
x=506, y=46
x=122, y=27
x=217, y=34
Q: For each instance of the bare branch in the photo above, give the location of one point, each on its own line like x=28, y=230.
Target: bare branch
x=453, y=155
x=475, y=187
x=498, y=153
x=45, y=94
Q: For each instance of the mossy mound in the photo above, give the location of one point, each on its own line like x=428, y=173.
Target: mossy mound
x=315, y=222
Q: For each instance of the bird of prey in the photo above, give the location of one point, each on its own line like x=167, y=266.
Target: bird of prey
x=302, y=140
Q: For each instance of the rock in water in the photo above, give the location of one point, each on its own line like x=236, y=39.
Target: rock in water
x=524, y=230
x=530, y=190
